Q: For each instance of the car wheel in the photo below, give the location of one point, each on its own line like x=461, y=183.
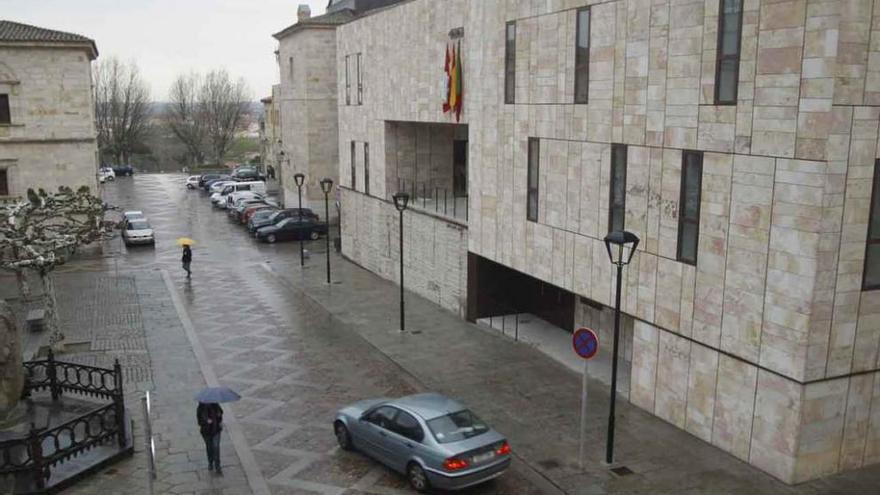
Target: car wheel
x=270, y=238
x=314, y=235
x=417, y=478
x=342, y=436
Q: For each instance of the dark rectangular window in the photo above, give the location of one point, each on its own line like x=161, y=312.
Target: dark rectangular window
x=5, y=115
x=347, y=82
x=4, y=183
x=510, y=63
x=871, y=275
x=534, y=170
x=689, y=206
x=290, y=68
x=353, y=168
x=582, y=57
x=360, y=80
x=367, y=169
x=727, y=56
x=617, y=196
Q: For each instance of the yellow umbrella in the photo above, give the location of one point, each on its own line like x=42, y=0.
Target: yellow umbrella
x=184, y=241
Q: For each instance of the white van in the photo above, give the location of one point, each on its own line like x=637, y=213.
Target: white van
x=219, y=199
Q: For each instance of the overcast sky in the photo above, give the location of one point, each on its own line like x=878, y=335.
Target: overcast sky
x=167, y=37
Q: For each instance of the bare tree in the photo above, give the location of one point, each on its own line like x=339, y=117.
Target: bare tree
x=206, y=111
x=225, y=103
x=122, y=107
x=185, y=115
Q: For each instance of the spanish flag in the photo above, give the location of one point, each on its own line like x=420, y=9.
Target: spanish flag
x=459, y=85
x=453, y=85
x=446, y=67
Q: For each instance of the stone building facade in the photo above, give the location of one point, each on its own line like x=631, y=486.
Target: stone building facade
x=47, y=119
x=746, y=133
x=270, y=132
x=307, y=102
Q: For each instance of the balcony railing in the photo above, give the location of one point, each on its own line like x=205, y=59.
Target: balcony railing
x=432, y=199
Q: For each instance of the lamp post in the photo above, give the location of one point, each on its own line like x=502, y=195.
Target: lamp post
x=401, y=199
x=299, y=179
x=326, y=187
x=621, y=246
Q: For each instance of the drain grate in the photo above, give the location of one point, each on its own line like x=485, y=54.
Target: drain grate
x=622, y=471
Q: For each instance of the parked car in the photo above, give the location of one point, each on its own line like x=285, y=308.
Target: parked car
x=233, y=197
x=192, y=182
x=213, y=180
x=137, y=231
x=434, y=440
x=208, y=176
x=259, y=216
x=123, y=170
x=292, y=229
x=235, y=211
x=131, y=215
x=106, y=174
x=281, y=215
x=215, y=186
x=251, y=210
x=247, y=174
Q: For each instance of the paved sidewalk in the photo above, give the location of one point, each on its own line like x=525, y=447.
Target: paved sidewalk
x=533, y=399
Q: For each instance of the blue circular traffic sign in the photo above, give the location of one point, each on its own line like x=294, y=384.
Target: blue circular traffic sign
x=585, y=343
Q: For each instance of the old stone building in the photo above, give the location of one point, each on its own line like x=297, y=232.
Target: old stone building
x=47, y=121
x=270, y=133
x=738, y=139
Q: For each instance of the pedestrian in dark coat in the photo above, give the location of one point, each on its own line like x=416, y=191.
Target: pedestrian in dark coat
x=210, y=419
x=187, y=259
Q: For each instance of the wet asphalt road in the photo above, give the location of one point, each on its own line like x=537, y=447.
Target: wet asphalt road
x=281, y=354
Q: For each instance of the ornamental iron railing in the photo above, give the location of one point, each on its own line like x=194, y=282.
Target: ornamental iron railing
x=33, y=456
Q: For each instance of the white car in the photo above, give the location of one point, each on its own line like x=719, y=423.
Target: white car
x=192, y=182
x=219, y=186
x=105, y=174
x=137, y=231
x=232, y=199
x=132, y=215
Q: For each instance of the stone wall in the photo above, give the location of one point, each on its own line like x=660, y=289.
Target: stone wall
x=754, y=348
x=307, y=95
x=51, y=140
x=435, y=250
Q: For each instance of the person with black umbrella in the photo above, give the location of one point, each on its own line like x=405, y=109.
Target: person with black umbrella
x=209, y=415
x=210, y=419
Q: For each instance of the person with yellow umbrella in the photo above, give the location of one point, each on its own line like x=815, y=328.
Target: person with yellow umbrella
x=186, y=260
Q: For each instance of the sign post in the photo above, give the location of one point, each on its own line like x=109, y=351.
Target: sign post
x=586, y=345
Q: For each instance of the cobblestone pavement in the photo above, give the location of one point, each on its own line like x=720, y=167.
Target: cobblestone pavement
x=297, y=349
x=291, y=363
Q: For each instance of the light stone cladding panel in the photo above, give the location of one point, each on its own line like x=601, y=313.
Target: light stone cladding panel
x=767, y=347
x=51, y=140
x=309, y=121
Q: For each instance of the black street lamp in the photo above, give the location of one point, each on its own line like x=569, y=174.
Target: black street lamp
x=621, y=246
x=401, y=199
x=326, y=187
x=299, y=179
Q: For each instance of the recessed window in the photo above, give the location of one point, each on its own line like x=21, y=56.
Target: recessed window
x=290, y=69
x=534, y=170
x=347, y=82
x=510, y=63
x=5, y=115
x=360, y=80
x=353, y=168
x=727, y=58
x=689, y=206
x=367, y=169
x=4, y=183
x=617, y=196
x=582, y=57
x=871, y=275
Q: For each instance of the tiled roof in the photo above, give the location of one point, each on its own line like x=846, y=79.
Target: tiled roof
x=18, y=32
x=332, y=19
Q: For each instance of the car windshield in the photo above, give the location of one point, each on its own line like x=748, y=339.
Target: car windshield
x=138, y=225
x=457, y=426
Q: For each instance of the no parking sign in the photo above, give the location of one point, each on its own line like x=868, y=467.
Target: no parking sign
x=585, y=343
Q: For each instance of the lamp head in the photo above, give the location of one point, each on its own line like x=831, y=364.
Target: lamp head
x=621, y=246
x=401, y=199
x=326, y=185
x=299, y=179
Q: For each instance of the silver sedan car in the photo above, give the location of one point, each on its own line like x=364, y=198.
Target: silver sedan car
x=432, y=439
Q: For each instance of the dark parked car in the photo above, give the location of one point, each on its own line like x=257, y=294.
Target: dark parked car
x=247, y=174
x=204, y=178
x=280, y=215
x=292, y=229
x=210, y=182
x=121, y=170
